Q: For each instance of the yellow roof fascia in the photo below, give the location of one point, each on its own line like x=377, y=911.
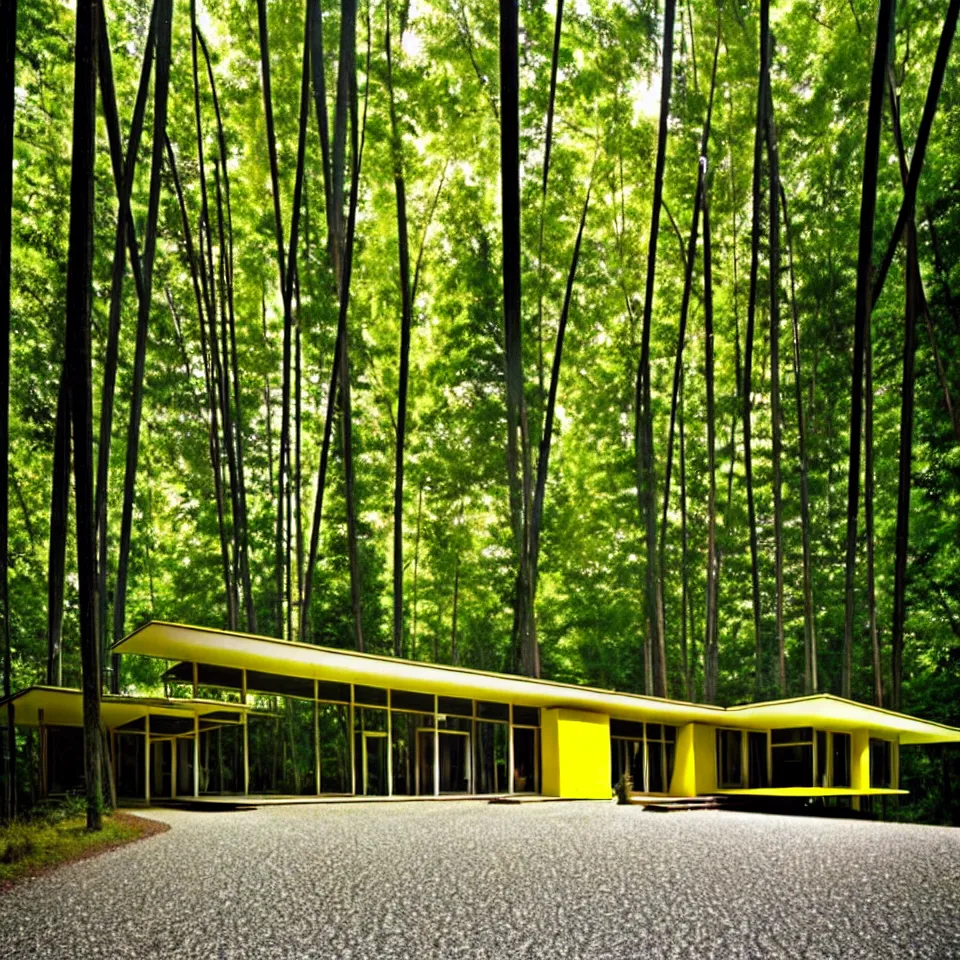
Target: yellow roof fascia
x=825, y=709
x=172, y=641
x=267, y=654
x=63, y=706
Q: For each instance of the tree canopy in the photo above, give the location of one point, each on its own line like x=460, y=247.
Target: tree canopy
x=337, y=251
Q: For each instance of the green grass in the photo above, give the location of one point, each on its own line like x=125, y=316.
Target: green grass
x=31, y=847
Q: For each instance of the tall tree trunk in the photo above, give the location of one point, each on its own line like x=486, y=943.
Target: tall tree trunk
x=218, y=391
x=686, y=639
x=689, y=261
x=543, y=460
x=518, y=437
x=79, y=390
x=747, y=392
x=773, y=165
x=241, y=531
x=8, y=52
x=124, y=167
x=547, y=146
x=868, y=204
x=710, y=651
x=810, y=683
x=903, y=484
x=208, y=375
x=868, y=473
x=59, y=507
x=161, y=89
x=646, y=474
x=919, y=149
x=406, y=320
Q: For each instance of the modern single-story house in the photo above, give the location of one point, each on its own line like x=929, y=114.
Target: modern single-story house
x=246, y=715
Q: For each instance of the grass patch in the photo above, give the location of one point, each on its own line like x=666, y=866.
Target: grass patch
x=29, y=848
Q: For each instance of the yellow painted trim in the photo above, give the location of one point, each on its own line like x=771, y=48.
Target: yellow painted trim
x=63, y=706
x=247, y=651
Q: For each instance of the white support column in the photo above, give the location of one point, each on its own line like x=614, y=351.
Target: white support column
x=353, y=747
x=510, y=752
x=389, y=745
x=246, y=734
x=316, y=737
x=436, y=748
x=146, y=760
x=196, y=752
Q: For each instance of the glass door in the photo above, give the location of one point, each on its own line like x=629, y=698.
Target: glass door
x=454, y=762
x=374, y=767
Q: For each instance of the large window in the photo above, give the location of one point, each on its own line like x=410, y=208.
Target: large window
x=490, y=756
x=281, y=748
x=644, y=751
x=791, y=753
x=333, y=727
x=221, y=759
x=881, y=764
x=730, y=758
x=841, y=759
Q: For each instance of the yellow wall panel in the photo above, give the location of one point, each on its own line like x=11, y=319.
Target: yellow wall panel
x=575, y=746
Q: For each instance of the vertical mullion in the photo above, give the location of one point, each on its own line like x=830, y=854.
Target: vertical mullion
x=316, y=737
x=196, y=750
x=353, y=747
x=436, y=746
x=389, y=744
x=246, y=733
x=146, y=760
x=510, y=750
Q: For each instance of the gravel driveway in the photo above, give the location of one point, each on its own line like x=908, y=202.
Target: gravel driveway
x=449, y=880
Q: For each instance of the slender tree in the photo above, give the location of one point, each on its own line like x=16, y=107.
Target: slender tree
x=547, y=147
x=406, y=320
x=810, y=684
x=59, y=508
x=773, y=176
x=543, y=460
x=655, y=679
x=212, y=406
x=710, y=646
x=79, y=392
x=161, y=91
x=747, y=391
x=8, y=50
x=868, y=204
x=689, y=261
x=124, y=166
x=920, y=147
x=518, y=437
x=236, y=419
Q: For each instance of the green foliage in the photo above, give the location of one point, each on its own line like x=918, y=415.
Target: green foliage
x=590, y=597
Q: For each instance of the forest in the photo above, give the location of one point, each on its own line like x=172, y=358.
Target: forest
x=614, y=341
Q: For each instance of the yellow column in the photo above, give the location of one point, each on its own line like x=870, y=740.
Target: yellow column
x=683, y=783
x=859, y=763
x=575, y=747
x=695, y=761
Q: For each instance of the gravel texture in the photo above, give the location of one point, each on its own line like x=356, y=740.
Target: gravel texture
x=454, y=880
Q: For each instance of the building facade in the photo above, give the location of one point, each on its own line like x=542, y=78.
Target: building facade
x=258, y=717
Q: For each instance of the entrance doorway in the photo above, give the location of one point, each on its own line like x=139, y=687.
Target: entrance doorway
x=374, y=763
x=454, y=761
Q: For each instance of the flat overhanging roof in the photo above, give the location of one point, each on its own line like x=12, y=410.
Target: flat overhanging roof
x=63, y=706
x=269, y=655
x=841, y=715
